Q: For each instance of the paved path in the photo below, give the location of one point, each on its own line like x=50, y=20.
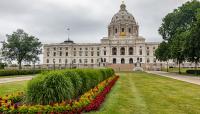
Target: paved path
x=190, y=79
x=14, y=79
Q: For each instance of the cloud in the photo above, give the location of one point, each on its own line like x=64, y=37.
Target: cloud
x=88, y=19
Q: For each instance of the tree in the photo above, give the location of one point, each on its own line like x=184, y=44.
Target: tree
x=21, y=47
x=192, y=44
x=176, y=26
x=162, y=52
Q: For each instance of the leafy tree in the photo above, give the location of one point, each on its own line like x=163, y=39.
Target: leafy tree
x=21, y=47
x=176, y=26
x=192, y=44
x=162, y=52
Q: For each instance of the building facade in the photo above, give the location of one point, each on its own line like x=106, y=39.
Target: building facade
x=121, y=50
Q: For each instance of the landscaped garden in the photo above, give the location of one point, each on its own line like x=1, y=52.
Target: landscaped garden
x=63, y=91
x=134, y=93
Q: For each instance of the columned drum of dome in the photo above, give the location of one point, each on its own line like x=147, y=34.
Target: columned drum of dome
x=123, y=24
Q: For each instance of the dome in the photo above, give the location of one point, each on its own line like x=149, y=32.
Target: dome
x=123, y=16
x=123, y=24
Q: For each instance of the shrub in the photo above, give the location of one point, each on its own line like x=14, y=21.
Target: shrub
x=56, y=86
x=19, y=72
x=193, y=72
x=50, y=88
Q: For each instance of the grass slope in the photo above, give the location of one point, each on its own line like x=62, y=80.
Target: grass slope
x=142, y=93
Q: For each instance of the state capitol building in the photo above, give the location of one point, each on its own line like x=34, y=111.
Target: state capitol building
x=122, y=49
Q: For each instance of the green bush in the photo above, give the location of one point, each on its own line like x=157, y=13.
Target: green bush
x=56, y=86
x=19, y=72
x=50, y=88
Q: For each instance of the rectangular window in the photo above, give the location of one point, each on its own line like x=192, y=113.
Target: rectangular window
x=54, y=53
x=140, y=52
x=66, y=53
x=86, y=53
x=92, y=53
x=60, y=53
x=140, y=59
x=48, y=54
x=104, y=52
x=122, y=29
x=98, y=54
x=74, y=53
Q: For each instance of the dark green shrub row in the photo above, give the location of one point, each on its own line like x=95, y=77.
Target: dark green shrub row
x=19, y=72
x=56, y=86
x=193, y=72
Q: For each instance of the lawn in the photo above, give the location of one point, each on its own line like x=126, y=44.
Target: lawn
x=13, y=87
x=142, y=93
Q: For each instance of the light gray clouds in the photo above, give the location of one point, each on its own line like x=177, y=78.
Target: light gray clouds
x=88, y=19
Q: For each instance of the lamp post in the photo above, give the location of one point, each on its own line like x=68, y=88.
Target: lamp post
x=54, y=67
x=34, y=60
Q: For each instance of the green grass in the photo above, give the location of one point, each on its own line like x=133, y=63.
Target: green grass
x=13, y=87
x=142, y=93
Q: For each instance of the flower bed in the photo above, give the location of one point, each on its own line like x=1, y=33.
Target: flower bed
x=89, y=101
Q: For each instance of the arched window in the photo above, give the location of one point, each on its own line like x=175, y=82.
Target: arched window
x=122, y=61
x=130, y=51
x=122, y=51
x=131, y=61
x=114, y=51
x=114, y=61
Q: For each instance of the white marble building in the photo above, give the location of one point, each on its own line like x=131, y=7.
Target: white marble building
x=121, y=50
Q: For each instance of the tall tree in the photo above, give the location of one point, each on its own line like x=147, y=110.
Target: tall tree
x=175, y=27
x=21, y=47
x=162, y=52
x=192, y=44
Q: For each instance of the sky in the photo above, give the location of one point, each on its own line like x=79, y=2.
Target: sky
x=48, y=20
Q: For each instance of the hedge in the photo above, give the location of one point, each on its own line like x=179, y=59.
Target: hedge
x=193, y=72
x=56, y=86
x=19, y=72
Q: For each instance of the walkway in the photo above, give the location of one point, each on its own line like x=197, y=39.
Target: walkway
x=190, y=79
x=14, y=79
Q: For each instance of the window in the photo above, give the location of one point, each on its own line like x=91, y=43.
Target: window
x=47, y=60
x=130, y=61
x=130, y=51
x=122, y=29
x=114, y=51
x=65, y=61
x=98, y=48
x=74, y=48
x=92, y=61
x=140, y=59
x=85, y=61
x=104, y=52
x=129, y=30
x=54, y=53
x=48, y=54
x=92, y=53
x=98, y=54
x=114, y=61
x=104, y=60
x=122, y=51
x=60, y=48
x=60, y=53
x=86, y=48
x=86, y=53
x=74, y=61
x=66, y=54
x=147, y=47
x=140, y=52
x=74, y=53
x=115, y=30
x=147, y=53
x=154, y=48
x=122, y=61
x=80, y=53
x=54, y=49
x=154, y=60
x=47, y=49
x=148, y=60
x=66, y=48
x=92, y=48
x=80, y=61
x=80, y=48
x=59, y=60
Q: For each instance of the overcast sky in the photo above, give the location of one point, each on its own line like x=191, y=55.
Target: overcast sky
x=88, y=19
